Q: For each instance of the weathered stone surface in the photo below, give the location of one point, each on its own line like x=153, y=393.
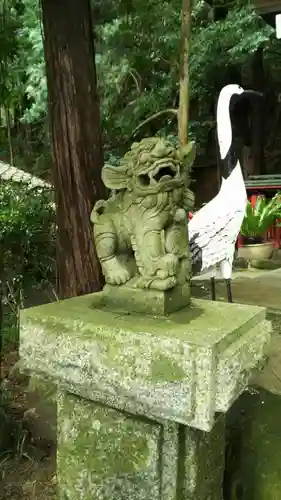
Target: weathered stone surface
x=240, y=263
x=235, y=366
x=140, y=231
x=182, y=368
x=274, y=315
x=105, y=454
x=152, y=302
x=255, y=439
x=269, y=377
x=126, y=385
x=251, y=287
x=41, y=417
x=203, y=461
x=266, y=264
x=276, y=254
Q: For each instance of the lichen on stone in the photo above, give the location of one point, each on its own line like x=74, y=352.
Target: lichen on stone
x=140, y=232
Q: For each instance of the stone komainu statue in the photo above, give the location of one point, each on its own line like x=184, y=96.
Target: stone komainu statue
x=141, y=230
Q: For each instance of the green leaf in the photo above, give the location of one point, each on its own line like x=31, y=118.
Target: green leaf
x=260, y=218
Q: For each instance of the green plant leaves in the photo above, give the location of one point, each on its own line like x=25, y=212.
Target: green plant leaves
x=27, y=235
x=261, y=217
x=137, y=53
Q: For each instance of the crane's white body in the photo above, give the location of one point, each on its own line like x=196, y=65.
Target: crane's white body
x=214, y=229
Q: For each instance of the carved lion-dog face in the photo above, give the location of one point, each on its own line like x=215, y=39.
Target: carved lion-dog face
x=151, y=166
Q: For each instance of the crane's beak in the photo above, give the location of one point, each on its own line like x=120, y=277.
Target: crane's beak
x=252, y=93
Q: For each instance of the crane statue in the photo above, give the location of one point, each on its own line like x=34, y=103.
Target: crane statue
x=214, y=229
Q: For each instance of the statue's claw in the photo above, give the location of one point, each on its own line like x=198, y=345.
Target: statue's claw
x=167, y=266
x=115, y=273
x=165, y=284
x=157, y=284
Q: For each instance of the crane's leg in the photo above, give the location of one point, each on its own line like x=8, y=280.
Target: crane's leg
x=213, y=283
x=213, y=288
x=226, y=272
x=228, y=290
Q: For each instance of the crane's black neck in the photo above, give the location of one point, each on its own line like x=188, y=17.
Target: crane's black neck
x=230, y=161
x=232, y=157
x=239, y=129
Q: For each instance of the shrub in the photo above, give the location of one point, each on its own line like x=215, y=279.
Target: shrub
x=27, y=237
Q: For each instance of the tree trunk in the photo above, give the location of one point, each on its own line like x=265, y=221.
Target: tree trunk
x=76, y=140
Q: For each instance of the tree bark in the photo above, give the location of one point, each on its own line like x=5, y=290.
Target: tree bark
x=76, y=140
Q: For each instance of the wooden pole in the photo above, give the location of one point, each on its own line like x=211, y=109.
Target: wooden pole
x=183, y=112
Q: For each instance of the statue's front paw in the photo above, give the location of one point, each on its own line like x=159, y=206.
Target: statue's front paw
x=115, y=273
x=120, y=277
x=156, y=284
x=167, y=266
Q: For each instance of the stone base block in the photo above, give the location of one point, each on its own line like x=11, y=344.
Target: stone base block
x=139, y=396
x=106, y=454
x=152, y=302
x=41, y=417
x=183, y=368
x=255, y=443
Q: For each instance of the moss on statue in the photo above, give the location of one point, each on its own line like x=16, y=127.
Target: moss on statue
x=171, y=367
x=141, y=230
x=149, y=302
x=42, y=397
x=106, y=454
x=163, y=366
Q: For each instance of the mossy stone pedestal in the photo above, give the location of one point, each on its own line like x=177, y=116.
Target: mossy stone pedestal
x=151, y=302
x=141, y=398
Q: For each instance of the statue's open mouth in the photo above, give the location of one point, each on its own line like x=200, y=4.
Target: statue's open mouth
x=165, y=173
x=161, y=173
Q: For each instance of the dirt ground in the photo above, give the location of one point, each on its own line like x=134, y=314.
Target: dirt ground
x=27, y=464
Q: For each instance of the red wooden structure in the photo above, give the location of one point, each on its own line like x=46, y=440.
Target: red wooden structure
x=266, y=185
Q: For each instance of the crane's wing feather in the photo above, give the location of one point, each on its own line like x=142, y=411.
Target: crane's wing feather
x=213, y=230
x=213, y=240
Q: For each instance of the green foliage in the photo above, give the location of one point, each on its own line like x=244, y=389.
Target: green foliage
x=139, y=72
x=27, y=232
x=138, y=63
x=21, y=56
x=31, y=42
x=10, y=82
x=259, y=218
x=23, y=93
